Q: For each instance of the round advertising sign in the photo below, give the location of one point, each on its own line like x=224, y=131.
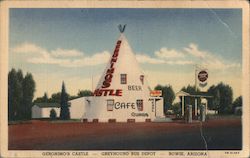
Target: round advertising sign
x=202, y=76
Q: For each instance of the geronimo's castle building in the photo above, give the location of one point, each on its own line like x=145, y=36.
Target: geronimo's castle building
x=122, y=93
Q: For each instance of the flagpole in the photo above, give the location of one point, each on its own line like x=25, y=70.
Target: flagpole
x=195, y=78
x=92, y=80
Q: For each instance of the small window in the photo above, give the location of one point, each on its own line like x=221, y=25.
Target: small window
x=123, y=78
x=139, y=104
x=142, y=79
x=110, y=104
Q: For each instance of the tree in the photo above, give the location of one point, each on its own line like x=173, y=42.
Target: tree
x=176, y=108
x=64, y=114
x=21, y=106
x=84, y=93
x=192, y=90
x=167, y=94
x=20, y=95
x=43, y=99
x=55, y=97
x=237, y=102
x=214, y=103
x=52, y=114
x=28, y=95
x=14, y=95
x=222, y=96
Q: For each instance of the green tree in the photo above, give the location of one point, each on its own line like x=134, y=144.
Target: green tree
x=28, y=95
x=43, y=99
x=167, y=94
x=21, y=107
x=20, y=95
x=84, y=93
x=176, y=108
x=14, y=95
x=192, y=90
x=64, y=113
x=214, y=103
x=222, y=97
x=52, y=114
x=237, y=102
x=55, y=97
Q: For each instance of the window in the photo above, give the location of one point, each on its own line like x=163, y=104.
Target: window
x=139, y=104
x=123, y=78
x=110, y=104
x=142, y=79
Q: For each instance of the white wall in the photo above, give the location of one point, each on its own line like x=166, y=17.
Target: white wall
x=36, y=112
x=77, y=108
x=159, y=108
x=46, y=112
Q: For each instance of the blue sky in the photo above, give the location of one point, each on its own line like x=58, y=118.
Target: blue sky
x=164, y=41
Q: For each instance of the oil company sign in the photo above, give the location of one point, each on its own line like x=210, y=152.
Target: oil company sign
x=202, y=77
x=156, y=93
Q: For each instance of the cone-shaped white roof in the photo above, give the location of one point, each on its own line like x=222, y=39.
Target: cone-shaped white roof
x=122, y=61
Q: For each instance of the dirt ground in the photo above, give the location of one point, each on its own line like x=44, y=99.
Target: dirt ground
x=43, y=135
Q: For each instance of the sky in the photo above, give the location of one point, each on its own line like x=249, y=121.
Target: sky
x=74, y=45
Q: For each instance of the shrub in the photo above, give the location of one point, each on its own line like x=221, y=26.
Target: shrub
x=52, y=114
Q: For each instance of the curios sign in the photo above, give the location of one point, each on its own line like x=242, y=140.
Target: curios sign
x=156, y=93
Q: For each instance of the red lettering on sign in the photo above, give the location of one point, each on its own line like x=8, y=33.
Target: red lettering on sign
x=105, y=84
x=108, y=77
x=112, y=65
x=109, y=74
x=108, y=92
x=113, y=60
x=105, y=92
x=97, y=93
x=118, y=92
x=110, y=71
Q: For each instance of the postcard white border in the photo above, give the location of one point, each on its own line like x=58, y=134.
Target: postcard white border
x=4, y=29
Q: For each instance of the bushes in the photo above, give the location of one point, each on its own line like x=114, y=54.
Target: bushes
x=52, y=114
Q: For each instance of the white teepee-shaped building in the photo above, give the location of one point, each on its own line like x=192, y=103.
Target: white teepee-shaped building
x=122, y=93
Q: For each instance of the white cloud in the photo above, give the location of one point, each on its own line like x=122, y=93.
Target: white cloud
x=208, y=59
x=74, y=58
x=27, y=48
x=96, y=59
x=190, y=55
x=143, y=58
x=193, y=50
x=38, y=55
x=166, y=53
x=180, y=62
x=66, y=53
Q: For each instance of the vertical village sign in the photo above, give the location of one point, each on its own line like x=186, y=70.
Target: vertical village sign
x=109, y=75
